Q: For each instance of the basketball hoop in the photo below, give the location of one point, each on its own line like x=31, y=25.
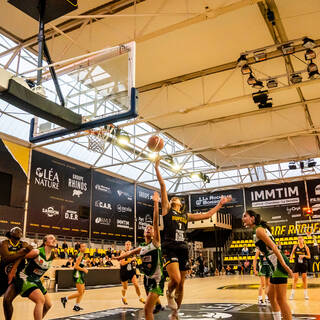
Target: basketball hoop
x=97, y=138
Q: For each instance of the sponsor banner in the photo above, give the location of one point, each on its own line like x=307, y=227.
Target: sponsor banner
x=144, y=209
x=14, y=163
x=313, y=187
x=278, y=204
x=206, y=201
x=112, y=207
x=59, y=199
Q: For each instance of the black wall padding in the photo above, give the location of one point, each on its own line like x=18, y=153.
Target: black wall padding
x=23, y=98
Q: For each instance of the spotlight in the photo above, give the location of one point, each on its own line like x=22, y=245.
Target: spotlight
x=272, y=83
x=205, y=178
x=245, y=69
x=251, y=80
x=242, y=60
x=176, y=166
x=295, y=78
x=308, y=43
x=258, y=84
x=260, y=55
x=122, y=137
x=311, y=163
x=195, y=175
x=313, y=71
x=310, y=54
x=292, y=165
x=261, y=98
x=169, y=159
x=153, y=155
x=287, y=49
x=123, y=140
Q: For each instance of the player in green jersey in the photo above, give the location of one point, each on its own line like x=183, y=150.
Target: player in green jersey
x=264, y=273
x=78, y=277
x=39, y=263
x=278, y=263
x=150, y=253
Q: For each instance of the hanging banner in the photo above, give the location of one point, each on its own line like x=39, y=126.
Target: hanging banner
x=144, y=210
x=112, y=207
x=14, y=164
x=205, y=201
x=59, y=198
x=313, y=187
x=278, y=204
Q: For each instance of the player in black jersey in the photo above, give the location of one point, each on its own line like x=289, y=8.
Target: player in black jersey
x=174, y=243
x=128, y=272
x=301, y=253
x=11, y=250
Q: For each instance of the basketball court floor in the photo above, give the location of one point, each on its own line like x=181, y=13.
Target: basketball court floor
x=224, y=297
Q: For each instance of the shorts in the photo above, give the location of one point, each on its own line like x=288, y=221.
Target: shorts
x=151, y=285
x=126, y=275
x=29, y=285
x=300, y=268
x=3, y=283
x=78, y=277
x=265, y=271
x=173, y=252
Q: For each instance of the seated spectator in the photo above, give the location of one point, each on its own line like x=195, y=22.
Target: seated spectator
x=64, y=254
x=217, y=273
x=245, y=251
x=223, y=271
x=228, y=269
x=240, y=268
x=108, y=262
x=70, y=263
x=246, y=266
x=77, y=246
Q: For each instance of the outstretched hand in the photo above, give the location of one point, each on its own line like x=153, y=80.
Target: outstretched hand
x=224, y=200
x=156, y=197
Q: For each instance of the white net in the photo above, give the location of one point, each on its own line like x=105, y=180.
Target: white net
x=97, y=140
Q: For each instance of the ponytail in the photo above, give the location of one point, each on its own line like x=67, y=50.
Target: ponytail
x=257, y=219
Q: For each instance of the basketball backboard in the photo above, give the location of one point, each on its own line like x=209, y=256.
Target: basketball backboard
x=99, y=86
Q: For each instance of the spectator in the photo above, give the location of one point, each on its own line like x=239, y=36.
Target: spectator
x=64, y=245
x=245, y=251
x=64, y=254
x=246, y=267
x=228, y=269
x=211, y=267
x=201, y=265
x=77, y=246
x=217, y=273
x=240, y=268
x=223, y=271
x=70, y=263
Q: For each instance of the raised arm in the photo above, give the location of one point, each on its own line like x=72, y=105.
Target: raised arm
x=211, y=212
x=261, y=234
x=6, y=257
x=164, y=197
x=127, y=254
x=156, y=237
x=292, y=252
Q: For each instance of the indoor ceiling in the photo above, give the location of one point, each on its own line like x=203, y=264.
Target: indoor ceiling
x=191, y=87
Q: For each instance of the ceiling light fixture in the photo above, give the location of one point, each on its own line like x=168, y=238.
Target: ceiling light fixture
x=245, y=69
x=242, y=60
x=251, y=80
x=272, y=83
x=310, y=54
x=260, y=55
x=295, y=78
x=308, y=43
x=261, y=98
x=287, y=49
x=258, y=85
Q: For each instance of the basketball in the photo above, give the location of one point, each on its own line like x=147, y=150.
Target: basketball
x=155, y=143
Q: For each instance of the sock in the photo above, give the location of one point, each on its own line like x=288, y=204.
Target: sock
x=305, y=292
x=76, y=305
x=260, y=297
x=266, y=297
x=66, y=298
x=276, y=315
